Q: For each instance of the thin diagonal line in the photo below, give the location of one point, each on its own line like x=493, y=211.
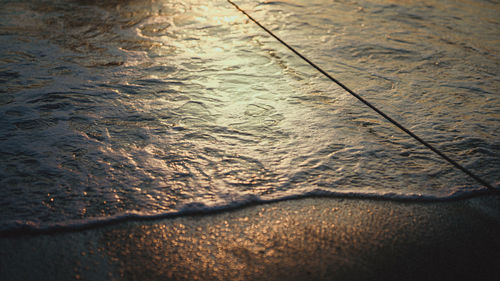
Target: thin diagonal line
x=435, y=150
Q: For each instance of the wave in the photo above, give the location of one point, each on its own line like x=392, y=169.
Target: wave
x=23, y=228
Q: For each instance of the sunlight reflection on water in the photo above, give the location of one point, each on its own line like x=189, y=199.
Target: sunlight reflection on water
x=117, y=106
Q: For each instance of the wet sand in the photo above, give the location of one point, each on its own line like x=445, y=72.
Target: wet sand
x=306, y=239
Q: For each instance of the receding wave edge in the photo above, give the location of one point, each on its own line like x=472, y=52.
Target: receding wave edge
x=21, y=228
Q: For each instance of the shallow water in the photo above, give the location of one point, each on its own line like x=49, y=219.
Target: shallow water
x=155, y=107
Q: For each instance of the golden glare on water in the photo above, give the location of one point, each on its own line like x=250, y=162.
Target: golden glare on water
x=153, y=106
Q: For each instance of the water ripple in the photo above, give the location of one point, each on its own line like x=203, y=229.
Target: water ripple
x=117, y=109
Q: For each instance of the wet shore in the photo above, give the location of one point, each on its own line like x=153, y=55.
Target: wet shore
x=306, y=239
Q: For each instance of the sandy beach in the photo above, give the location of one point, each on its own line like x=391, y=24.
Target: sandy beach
x=306, y=239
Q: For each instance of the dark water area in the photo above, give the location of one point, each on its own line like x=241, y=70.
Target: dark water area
x=155, y=107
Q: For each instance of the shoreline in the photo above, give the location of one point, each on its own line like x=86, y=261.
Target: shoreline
x=32, y=229
x=300, y=239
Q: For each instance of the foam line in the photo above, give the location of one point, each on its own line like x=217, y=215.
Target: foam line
x=23, y=228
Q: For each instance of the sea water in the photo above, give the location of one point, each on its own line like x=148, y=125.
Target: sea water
x=112, y=109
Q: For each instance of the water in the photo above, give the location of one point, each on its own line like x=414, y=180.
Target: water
x=146, y=108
